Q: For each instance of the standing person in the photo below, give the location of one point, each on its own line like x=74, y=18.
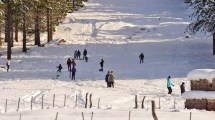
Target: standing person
x=73, y=63
x=8, y=65
x=78, y=55
x=59, y=68
x=73, y=72
x=101, y=64
x=111, y=79
x=106, y=79
x=169, y=85
x=141, y=58
x=69, y=64
x=84, y=54
x=182, y=87
x=75, y=54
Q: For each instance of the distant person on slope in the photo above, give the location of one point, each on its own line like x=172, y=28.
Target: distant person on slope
x=78, y=55
x=8, y=65
x=84, y=54
x=169, y=85
x=73, y=72
x=141, y=57
x=73, y=63
x=106, y=79
x=101, y=64
x=59, y=68
x=111, y=79
x=182, y=87
x=69, y=62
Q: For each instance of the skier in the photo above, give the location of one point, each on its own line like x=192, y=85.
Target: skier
x=8, y=65
x=106, y=79
x=141, y=58
x=169, y=85
x=111, y=79
x=59, y=68
x=101, y=64
x=182, y=87
x=73, y=63
x=69, y=64
x=84, y=54
x=73, y=73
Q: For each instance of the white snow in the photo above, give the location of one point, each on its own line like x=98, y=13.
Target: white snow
x=116, y=31
x=199, y=95
x=197, y=74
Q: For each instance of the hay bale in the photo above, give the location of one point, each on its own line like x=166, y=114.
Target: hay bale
x=211, y=104
x=201, y=84
x=196, y=104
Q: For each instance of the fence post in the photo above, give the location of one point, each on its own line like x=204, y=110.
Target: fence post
x=136, y=104
x=76, y=100
x=190, y=115
x=5, y=106
x=90, y=100
x=64, y=101
x=20, y=116
x=143, y=102
x=56, y=116
x=53, y=100
x=86, y=100
x=18, y=105
x=42, y=101
x=92, y=116
x=174, y=103
x=83, y=115
x=153, y=111
x=129, y=116
x=99, y=103
x=159, y=103
x=31, y=102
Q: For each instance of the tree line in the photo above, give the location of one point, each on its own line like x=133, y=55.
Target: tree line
x=31, y=18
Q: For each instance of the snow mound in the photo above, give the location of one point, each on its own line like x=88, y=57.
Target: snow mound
x=208, y=74
x=199, y=95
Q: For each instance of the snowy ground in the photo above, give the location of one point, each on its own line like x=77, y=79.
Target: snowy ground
x=116, y=31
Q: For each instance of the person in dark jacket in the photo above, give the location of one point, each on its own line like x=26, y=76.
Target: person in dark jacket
x=69, y=62
x=84, y=54
x=141, y=58
x=101, y=64
x=73, y=63
x=182, y=87
x=78, y=55
x=106, y=79
x=73, y=72
x=59, y=68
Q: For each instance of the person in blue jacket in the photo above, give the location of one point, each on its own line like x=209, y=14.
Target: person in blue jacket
x=169, y=85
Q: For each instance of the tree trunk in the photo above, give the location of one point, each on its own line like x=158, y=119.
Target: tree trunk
x=51, y=29
x=8, y=23
x=11, y=35
x=24, y=34
x=37, y=31
x=214, y=43
x=48, y=25
x=16, y=31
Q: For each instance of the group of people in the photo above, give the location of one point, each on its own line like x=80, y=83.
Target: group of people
x=169, y=86
x=77, y=55
x=110, y=78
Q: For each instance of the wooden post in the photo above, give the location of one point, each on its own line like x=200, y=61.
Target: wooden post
x=64, y=101
x=53, y=100
x=92, y=116
x=56, y=116
x=31, y=102
x=83, y=115
x=136, y=104
x=99, y=103
x=76, y=101
x=190, y=115
x=18, y=105
x=20, y=116
x=143, y=102
x=153, y=111
x=90, y=100
x=174, y=103
x=129, y=116
x=5, y=106
x=86, y=100
x=159, y=103
x=42, y=101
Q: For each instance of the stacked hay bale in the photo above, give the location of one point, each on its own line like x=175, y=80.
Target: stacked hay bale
x=201, y=80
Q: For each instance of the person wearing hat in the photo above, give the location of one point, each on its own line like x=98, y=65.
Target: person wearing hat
x=169, y=85
x=182, y=87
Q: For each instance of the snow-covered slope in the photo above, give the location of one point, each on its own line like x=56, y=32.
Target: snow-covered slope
x=116, y=31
